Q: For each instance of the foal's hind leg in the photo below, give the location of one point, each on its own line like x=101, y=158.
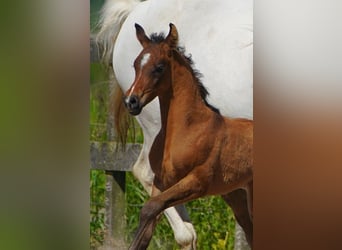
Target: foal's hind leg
x=237, y=200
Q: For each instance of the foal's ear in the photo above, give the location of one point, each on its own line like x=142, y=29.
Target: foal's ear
x=140, y=32
x=172, y=37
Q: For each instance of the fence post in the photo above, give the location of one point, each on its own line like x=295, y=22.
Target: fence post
x=115, y=193
x=115, y=223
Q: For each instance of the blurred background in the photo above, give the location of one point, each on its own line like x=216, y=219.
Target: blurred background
x=45, y=124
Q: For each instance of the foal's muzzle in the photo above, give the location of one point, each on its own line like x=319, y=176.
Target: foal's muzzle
x=133, y=105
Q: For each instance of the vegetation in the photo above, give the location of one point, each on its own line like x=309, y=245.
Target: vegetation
x=97, y=191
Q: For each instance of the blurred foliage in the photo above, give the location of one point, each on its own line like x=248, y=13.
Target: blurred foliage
x=99, y=99
x=97, y=208
x=95, y=6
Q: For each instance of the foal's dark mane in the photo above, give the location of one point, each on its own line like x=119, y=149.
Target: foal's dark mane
x=158, y=38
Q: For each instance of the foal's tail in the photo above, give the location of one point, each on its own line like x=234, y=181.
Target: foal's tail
x=112, y=16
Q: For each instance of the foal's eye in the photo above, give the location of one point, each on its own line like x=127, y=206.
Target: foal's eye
x=158, y=69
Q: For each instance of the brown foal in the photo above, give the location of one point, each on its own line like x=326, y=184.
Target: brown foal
x=197, y=152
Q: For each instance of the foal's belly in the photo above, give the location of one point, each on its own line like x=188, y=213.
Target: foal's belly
x=219, y=186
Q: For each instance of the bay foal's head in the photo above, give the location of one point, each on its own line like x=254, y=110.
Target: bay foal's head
x=152, y=69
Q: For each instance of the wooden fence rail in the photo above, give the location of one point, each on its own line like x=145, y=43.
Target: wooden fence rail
x=115, y=162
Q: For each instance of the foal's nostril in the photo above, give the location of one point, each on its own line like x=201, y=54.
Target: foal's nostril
x=132, y=102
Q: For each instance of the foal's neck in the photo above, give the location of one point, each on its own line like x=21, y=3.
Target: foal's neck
x=183, y=104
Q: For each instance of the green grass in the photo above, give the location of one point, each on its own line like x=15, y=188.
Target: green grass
x=213, y=220
x=97, y=196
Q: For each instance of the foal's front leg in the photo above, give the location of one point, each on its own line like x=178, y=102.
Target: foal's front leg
x=189, y=188
x=144, y=233
x=178, y=218
x=145, y=230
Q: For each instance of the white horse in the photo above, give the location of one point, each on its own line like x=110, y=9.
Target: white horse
x=219, y=35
